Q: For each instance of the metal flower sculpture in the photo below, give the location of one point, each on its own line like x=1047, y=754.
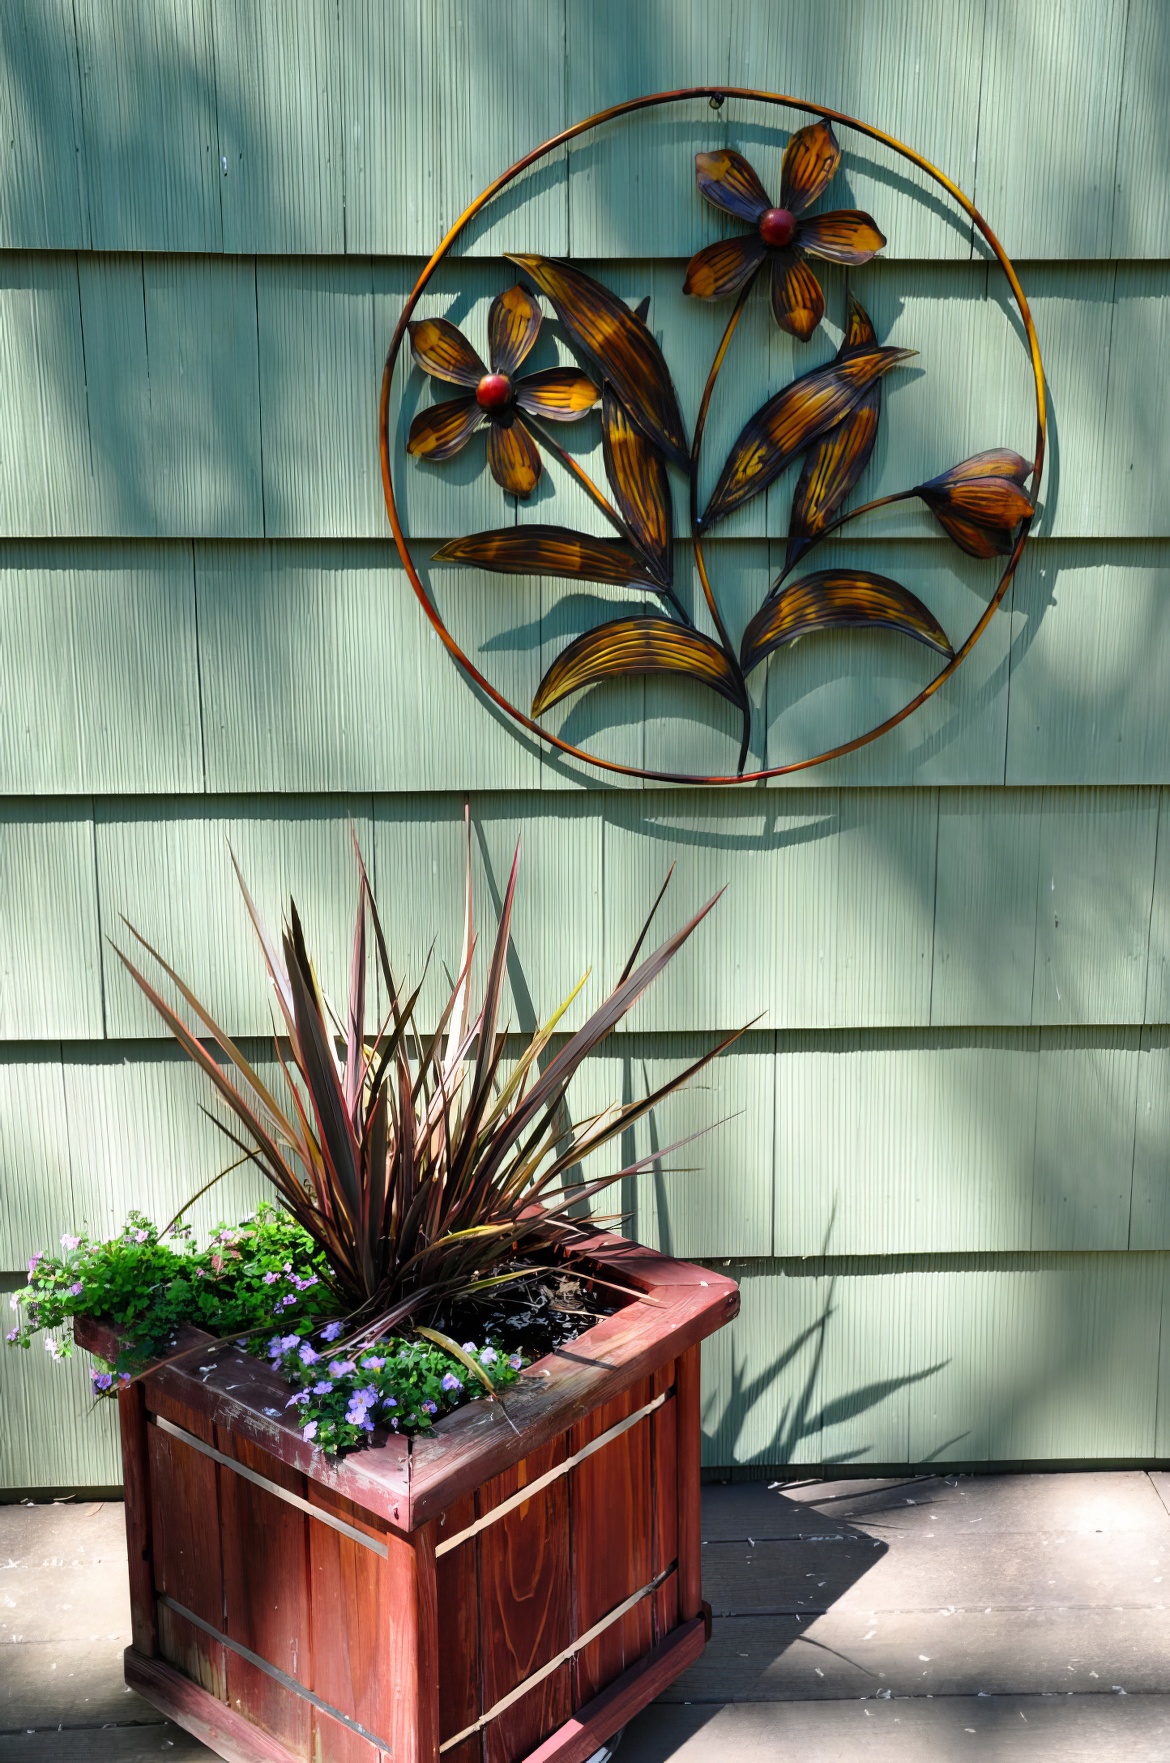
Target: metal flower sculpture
x=494, y=395
x=825, y=421
x=782, y=236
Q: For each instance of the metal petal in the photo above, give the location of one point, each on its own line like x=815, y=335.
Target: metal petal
x=443, y=351
x=976, y=541
x=859, y=331
x=811, y=159
x=791, y=421
x=513, y=327
x=729, y=182
x=845, y=236
x=550, y=550
x=513, y=458
x=560, y=394
x=996, y=462
x=798, y=305
x=440, y=431
x=630, y=646
x=620, y=347
x=722, y=269
x=831, y=469
x=637, y=476
x=838, y=600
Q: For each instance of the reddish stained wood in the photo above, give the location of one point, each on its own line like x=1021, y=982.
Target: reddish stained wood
x=136, y=1496
x=350, y=1616
x=185, y=1540
x=479, y=1442
x=610, y=1498
x=457, y=1589
x=690, y=1529
x=227, y=1733
x=664, y=1503
x=266, y=1592
x=524, y=1612
x=598, y=1720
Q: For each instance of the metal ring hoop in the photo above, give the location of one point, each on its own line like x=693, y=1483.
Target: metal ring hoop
x=629, y=107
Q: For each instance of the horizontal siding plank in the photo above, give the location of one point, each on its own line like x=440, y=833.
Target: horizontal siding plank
x=369, y=128
x=36, y=1184
x=844, y=909
x=54, y=1434
x=297, y=644
x=50, y=936
x=186, y=376
x=98, y=670
x=1042, y=1357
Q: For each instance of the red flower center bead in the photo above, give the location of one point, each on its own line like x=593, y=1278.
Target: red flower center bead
x=494, y=392
x=777, y=227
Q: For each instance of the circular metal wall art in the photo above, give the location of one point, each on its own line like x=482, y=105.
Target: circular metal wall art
x=827, y=419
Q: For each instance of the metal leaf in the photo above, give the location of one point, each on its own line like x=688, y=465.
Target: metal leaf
x=638, y=479
x=621, y=348
x=791, y=421
x=629, y=646
x=835, y=463
x=551, y=550
x=839, y=599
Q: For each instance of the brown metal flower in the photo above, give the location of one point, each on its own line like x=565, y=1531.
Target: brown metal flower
x=980, y=502
x=781, y=233
x=494, y=395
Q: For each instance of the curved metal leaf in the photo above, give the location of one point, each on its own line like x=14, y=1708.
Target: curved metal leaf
x=629, y=646
x=638, y=479
x=835, y=463
x=840, y=599
x=791, y=421
x=551, y=550
x=622, y=349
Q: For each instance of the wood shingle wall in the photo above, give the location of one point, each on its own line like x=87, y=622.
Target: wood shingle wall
x=941, y=1163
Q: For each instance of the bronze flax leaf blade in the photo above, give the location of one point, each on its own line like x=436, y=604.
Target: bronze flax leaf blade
x=839, y=599
x=800, y=414
x=833, y=466
x=629, y=646
x=618, y=345
x=552, y=550
x=637, y=476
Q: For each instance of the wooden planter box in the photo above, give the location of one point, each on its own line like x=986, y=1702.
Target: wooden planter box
x=514, y=1585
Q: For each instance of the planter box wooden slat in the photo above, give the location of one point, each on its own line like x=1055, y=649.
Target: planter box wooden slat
x=503, y=1588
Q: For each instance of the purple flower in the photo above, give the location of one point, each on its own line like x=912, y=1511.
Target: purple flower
x=12, y=1334
x=331, y=1331
x=469, y=1346
x=372, y=1364
x=283, y=1303
x=54, y=1348
x=302, y=1285
x=340, y=1367
x=141, y=1236
x=431, y=1407
x=198, y=1273
x=32, y=1265
x=310, y=1431
x=69, y=1241
x=101, y=1380
x=300, y=1398
x=323, y=1388
x=76, y=1289
x=515, y=1362
x=124, y=1378
x=308, y=1356
x=488, y=1356
x=390, y=1402
x=451, y=1382
x=270, y=1279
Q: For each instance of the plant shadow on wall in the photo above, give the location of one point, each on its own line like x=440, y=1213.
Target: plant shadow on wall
x=510, y=414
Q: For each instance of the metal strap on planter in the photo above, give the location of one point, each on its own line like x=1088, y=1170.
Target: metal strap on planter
x=281, y=1677
x=272, y=1487
x=569, y=1652
x=551, y=1475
